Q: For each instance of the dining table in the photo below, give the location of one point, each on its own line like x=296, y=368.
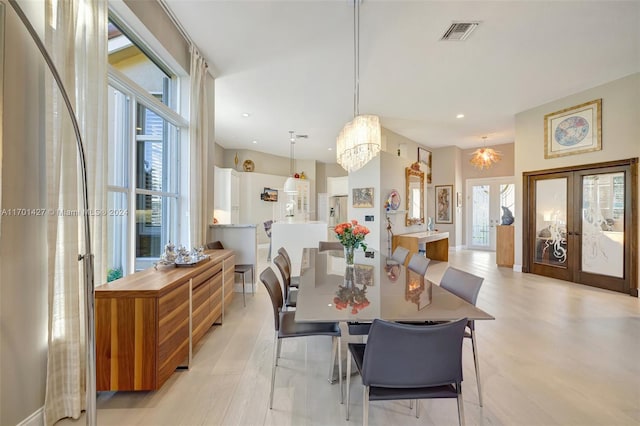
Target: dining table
x=373, y=287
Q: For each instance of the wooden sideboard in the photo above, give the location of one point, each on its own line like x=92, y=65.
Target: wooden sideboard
x=437, y=244
x=143, y=320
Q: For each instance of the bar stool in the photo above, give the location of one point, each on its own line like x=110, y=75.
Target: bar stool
x=243, y=269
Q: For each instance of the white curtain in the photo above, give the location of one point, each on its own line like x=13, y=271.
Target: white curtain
x=76, y=37
x=198, y=149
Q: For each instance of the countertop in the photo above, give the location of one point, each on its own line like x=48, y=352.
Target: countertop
x=231, y=225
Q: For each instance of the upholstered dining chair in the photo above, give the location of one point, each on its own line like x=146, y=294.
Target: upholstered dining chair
x=286, y=327
x=466, y=286
x=329, y=245
x=295, y=280
x=400, y=255
x=402, y=361
x=419, y=264
x=290, y=296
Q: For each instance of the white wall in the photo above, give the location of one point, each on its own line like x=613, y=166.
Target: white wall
x=620, y=135
x=252, y=208
x=23, y=245
x=368, y=177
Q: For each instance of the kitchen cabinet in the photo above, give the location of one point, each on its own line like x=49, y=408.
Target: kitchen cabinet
x=227, y=196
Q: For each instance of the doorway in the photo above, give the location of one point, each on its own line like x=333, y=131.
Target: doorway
x=580, y=224
x=485, y=199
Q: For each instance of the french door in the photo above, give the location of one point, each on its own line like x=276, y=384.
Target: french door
x=580, y=225
x=485, y=199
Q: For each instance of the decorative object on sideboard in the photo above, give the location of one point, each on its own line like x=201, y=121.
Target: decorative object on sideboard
x=484, y=158
x=574, y=130
x=180, y=256
x=507, y=216
x=360, y=139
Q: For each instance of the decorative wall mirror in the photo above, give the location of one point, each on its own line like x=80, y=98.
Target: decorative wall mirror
x=414, y=196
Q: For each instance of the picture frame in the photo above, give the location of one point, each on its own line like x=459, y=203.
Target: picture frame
x=573, y=130
x=269, y=194
x=424, y=157
x=363, y=274
x=362, y=197
x=444, y=204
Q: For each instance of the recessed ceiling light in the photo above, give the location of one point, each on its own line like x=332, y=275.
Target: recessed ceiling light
x=255, y=141
x=460, y=116
x=330, y=149
x=245, y=114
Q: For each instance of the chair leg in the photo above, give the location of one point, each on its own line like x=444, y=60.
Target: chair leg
x=365, y=406
x=477, y=364
x=340, y=369
x=348, y=382
x=273, y=369
x=334, y=350
x=417, y=409
x=279, y=349
x=460, y=406
x=253, y=281
x=244, y=297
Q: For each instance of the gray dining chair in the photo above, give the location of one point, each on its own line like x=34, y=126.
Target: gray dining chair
x=286, y=327
x=295, y=280
x=401, y=361
x=400, y=255
x=329, y=245
x=290, y=296
x=419, y=264
x=466, y=286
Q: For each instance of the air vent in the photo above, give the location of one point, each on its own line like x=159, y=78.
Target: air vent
x=459, y=31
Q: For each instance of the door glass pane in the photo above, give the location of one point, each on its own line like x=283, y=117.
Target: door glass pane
x=551, y=222
x=603, y=224
x=480, y=217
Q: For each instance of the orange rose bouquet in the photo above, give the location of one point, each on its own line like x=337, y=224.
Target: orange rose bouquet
x=351, y=234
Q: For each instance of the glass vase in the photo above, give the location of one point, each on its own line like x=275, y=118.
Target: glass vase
x=349, y=251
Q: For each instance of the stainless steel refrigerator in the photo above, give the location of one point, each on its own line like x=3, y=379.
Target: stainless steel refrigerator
x=338, y=211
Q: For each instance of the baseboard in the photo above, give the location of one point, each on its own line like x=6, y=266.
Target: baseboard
x=517, y=268
x=35, y=419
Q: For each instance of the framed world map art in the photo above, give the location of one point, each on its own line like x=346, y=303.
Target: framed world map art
x=574, y=130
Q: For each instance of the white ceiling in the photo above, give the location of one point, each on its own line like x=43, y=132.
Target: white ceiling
x=290, y=65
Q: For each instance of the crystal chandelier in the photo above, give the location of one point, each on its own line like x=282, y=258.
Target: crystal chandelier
x=359, y=140
x=483, y=158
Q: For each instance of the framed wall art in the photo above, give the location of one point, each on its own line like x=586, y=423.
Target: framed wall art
x=362, y=197
x=574, y=130
x=424, y=157
x=444, y=206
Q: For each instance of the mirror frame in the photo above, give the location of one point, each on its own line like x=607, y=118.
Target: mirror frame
x=410, y=172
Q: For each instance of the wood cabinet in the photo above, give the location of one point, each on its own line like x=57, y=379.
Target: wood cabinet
x=504, y=245
x=142, y=321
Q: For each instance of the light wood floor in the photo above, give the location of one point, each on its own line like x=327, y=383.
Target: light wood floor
x=557, y=354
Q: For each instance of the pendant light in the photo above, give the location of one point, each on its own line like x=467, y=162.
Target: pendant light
x=359, y=140
x=484, y=158
x=290, y=184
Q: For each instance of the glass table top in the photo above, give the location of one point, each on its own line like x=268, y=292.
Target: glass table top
x=374, y=287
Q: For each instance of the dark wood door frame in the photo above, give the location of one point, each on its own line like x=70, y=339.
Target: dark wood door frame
x=631, y=221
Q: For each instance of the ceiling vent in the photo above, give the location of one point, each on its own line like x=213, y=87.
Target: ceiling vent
x=459, y=31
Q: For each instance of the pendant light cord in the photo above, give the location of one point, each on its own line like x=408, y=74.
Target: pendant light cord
x=356, y=58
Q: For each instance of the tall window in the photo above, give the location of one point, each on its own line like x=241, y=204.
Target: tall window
x=144, y=154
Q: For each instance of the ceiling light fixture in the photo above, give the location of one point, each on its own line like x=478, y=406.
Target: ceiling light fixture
x=460, y=116
x=359, y=140
x=246, y=114
x=255, y=141
x=484, y=158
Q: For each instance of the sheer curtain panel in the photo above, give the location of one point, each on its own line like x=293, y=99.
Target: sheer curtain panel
x=75, y=34
x=198, y=142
